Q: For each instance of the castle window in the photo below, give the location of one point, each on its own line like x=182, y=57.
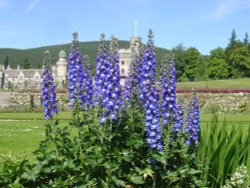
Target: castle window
x=123, y=63
x=123, y=71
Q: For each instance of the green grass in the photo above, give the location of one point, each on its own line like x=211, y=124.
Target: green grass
x=33, y=116
x=20, y=138
x=66, y=115
x=20, y=133
x=234, y=118
x=216, y=84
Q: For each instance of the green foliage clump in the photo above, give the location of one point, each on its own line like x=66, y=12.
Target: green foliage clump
x=223, y=148
x=90, y=154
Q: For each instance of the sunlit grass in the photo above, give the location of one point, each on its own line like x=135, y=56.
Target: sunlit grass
x=216, y=84
x=20, y=133
x=66, y=115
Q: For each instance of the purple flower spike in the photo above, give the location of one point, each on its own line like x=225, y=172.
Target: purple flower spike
x=178, y=124
x=107, y=80
x=149, y=95
x=168, y=93
x=102, y=62
x=48, y=88
x=193, y=121
x=75, y=73
x=112, y=91
x=87, y=89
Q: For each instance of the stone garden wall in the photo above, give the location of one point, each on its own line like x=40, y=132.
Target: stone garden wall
x=224, y=102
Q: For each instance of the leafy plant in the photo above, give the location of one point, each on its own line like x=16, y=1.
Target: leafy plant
x=222, y=149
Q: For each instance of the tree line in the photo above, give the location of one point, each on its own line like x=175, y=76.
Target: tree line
x=231, y=62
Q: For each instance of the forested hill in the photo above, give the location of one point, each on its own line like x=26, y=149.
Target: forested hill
x=35, y=55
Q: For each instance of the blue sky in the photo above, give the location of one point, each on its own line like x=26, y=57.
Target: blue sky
x=204, y=24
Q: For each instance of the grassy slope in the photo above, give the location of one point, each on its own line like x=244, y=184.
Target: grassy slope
x=216, y=84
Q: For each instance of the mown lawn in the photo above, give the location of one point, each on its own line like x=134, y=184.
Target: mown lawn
x=20, y=133
x=216, y=84
x=32, y=116
x=66, y=115
x=20, y=138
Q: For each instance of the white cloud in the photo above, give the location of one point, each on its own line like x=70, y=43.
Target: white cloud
x=32, y=5
x=226, y=7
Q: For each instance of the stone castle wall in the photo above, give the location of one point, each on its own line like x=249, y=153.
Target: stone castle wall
x=224, y=102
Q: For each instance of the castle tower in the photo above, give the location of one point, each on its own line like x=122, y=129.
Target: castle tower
x=125, y=56
x=61, y=69
x=135, y=43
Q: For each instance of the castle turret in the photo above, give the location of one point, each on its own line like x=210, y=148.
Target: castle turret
x=61, y=69
x=126, y=58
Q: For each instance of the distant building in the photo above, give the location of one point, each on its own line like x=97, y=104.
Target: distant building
x=125, y=57
x=31, y=78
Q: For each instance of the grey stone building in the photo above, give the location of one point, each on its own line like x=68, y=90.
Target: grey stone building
x=31, y=78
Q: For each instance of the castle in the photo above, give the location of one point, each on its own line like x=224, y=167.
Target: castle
x=31, y=78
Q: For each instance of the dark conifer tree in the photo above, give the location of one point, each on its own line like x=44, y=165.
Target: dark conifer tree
x=6, y=62
x=246, y=39
x=26, y=63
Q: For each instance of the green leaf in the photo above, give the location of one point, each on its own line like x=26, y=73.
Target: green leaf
x=137, y=180
x=159, y=157
x=193, y=171
x=119, y=182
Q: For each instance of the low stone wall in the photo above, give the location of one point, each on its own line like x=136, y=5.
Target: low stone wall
x=25, y=98
x=224, y=102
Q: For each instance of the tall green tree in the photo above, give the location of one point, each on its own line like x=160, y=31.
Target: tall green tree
x=230, y=49
x=192, y=59
x=201, y=68
x=26, y=63
x=179, y=53
x=6, y=62
x=217, y=66
x=240, y=59
x=246, y=39
x=39, y=65
x=233, y=38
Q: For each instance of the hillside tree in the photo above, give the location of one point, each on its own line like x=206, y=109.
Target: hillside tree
x=192, y=59
x=217, y=66
x=246, y=39
x=178, y=53
x=26, y=63
x=6, y=62
x=240, y=60
x=233, y=45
